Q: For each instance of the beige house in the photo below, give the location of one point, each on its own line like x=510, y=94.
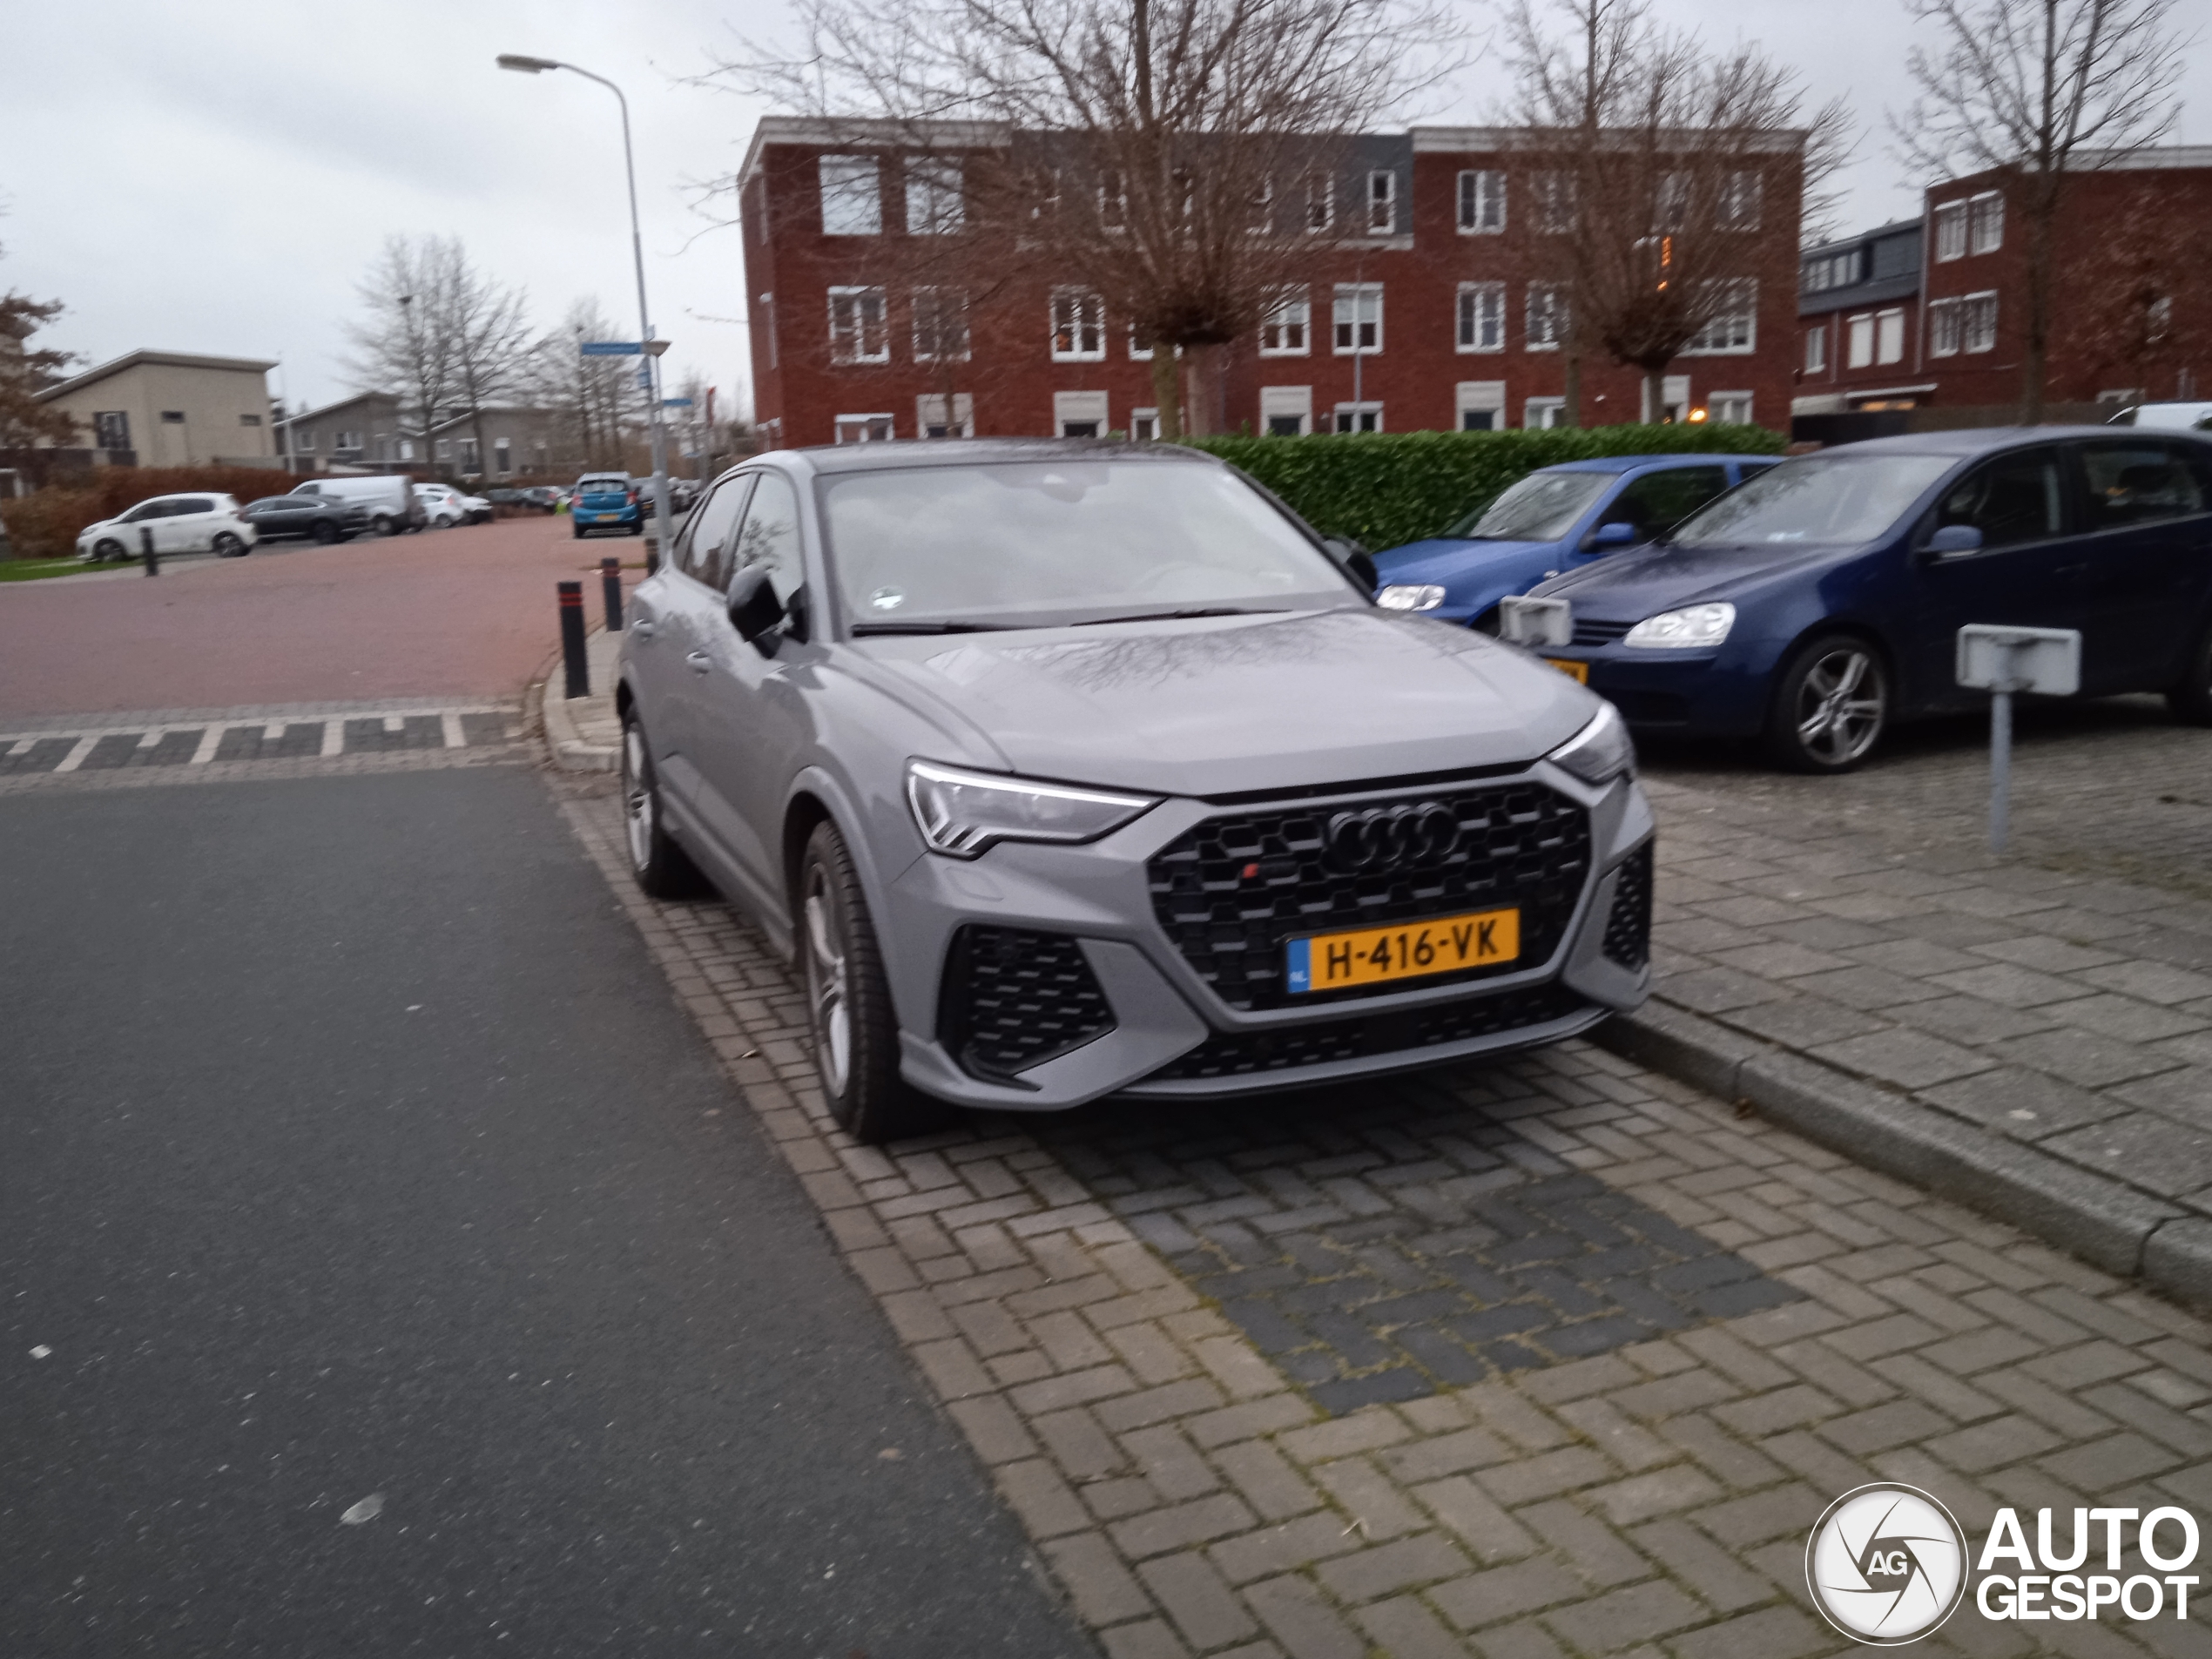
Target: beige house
x=172, y=408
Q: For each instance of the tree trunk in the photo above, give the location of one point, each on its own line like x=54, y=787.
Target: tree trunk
x=1167, y=375
x=1570, y=411
x=1655, y=396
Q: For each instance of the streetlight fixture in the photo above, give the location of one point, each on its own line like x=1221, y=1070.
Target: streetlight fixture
x=649, y=372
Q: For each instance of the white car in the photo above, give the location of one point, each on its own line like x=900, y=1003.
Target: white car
x=446, y=507
x=187, y=523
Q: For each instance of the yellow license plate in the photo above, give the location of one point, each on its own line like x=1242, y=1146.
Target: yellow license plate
x=1409, y=950
x=1573, y=671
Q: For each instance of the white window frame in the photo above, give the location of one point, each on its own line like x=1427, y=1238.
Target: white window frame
x=1319, y=203
x=1480, y=303
x=1554, y=194
x=1728, y=406
x=1356, y=413
x=1544, y=316
x=1485, y=397
x=1541, y=414
x=1734, y=332
x=1085, y=321
x=861, y=428
x=853, y=331
x=1985, y=221
x=1382, y=202
x=854, y=184
x=1670, y=203
x=936, y=196
x=503, y=456
x=1262, y=208
x=1977, y=322
x=929, y=410
x=1859, y=334
x=1286, y=402
x=1349, y=310
x=1889, y=335
x=1947, y=326
x=1082, y=409
x=345, y=440
x=1479, y=205
x=1143, y=425
x=443, y=449
x=1138, y=354
x=303, y=441
x=934, y=299
x=1293, y=311
x=1950, y=231
x=1113, y=201
x=1817, y=349
x=1743, y=199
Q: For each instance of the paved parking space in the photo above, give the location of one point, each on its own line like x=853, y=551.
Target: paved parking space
x=1067, y=1285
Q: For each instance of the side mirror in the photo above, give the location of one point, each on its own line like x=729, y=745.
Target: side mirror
x=1955, y=538
x=754, y=608
x=1616, y=535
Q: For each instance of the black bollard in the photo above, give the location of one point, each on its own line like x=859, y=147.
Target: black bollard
x=579, y=673
x=146, y=544
x=611, y=584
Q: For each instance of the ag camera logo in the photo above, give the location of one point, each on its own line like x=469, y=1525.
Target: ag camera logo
x=1886, y=1564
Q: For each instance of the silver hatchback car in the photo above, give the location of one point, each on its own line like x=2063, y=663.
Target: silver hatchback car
x=1075, y=770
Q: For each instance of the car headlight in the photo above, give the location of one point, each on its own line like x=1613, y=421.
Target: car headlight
x=1684, y=629
x=1600, y=751
x=1425, y=595
x=963, y=814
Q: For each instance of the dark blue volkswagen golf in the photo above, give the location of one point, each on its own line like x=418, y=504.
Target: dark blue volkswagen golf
x=1822, y=600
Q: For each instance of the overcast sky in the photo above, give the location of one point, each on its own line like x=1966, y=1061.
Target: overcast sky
x=217, y=177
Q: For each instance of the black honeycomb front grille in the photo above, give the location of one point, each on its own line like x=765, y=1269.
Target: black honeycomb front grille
x=1592, y=632
x=1628, y=927
x=1241, y=1054
x=1230, y=891
x=1013, y=999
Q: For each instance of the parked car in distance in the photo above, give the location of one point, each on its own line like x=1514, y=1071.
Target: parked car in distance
x=443, y=506
x=389, y=499
x=1072, y=769
x=317, y=517
x=2184, y=416
x=607, y=501
x=542, y=498
x=1822, y=601
x=1555, y=519
x=195, y=522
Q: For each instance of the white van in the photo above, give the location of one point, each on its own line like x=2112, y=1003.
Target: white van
x=389, y=499
x=2185, y=417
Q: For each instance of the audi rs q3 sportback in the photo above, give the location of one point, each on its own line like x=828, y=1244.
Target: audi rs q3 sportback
x=1068, y=770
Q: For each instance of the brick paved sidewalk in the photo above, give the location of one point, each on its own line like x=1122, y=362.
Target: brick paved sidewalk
x=1164, y=1423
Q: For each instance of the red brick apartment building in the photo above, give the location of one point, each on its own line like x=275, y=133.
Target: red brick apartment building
x=1932, y=312
x=1425, y=308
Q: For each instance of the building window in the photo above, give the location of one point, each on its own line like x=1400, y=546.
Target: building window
x=851, y=200
x=1980, y=322
x=1671, y=208
x=249, y=420
x=1541, y=412
x=1081, y=414
x=934, y=420
x=407, y=448
x=1480, y=405
x=1113, y=201
x=1483, y=203
x=1382, y=202
x=111, y=429
x=1359, y=318
x=1285, y=411
x=1817, y=349
x=1359, y=417
x=1482, y=316
x=1078, y=326
x=1733, y=407
x=1859, y=333
x=1889, y=336
x=1987, y=214
x=940, y=325
x=469, y=456
x=503, y=457
x=1140, y=343
x=1320, y=203
x=935, y=206
x=346, y=443
x=863, y=428
x=1555, y=201
x=1950, y=232
x=173, y=417
x=1734, y=328
x=303, y=441
x=444, y=450
x=1260, y=208
x=1547, y=316
x=1143, y=425
x=856, y=325
x=1740, y=193
x=1283, y=334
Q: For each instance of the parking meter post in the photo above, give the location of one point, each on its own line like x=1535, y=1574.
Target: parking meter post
x=572, y=657
x=2000, y=766
x=145, y=545
x=610, y=585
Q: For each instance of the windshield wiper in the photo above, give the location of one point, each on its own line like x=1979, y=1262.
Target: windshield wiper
x=955, y=627
x=1179, y=616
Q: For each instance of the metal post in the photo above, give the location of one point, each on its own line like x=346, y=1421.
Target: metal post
x=572, y=657
x=146, y=544
x=611, y=584
x=2000, y=766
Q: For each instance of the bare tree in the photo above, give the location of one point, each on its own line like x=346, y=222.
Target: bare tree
x=488, y=326
x=592, y=400
x=1173, y=160
x=2140, y=296
x=438, y=331
x=1658, y=169
x=2034, y=90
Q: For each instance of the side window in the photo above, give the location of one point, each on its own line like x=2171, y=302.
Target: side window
x=2014, y=499
x=770, y=536
x=705, y=551
x=2137, y=481
x=191, y=504
x=1659, y=500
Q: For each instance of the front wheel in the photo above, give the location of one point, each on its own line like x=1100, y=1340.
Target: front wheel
x=661, y=867
x=849, y=1002
x=381, y=524
x=104, y=551
x=227, y=546
x=1829, y=706
x=326, y=533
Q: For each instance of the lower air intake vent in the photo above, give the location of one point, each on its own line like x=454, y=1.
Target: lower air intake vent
x=1013, y=999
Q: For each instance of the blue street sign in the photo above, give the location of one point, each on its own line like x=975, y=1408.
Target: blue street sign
x=611, y=347
x=675, y=403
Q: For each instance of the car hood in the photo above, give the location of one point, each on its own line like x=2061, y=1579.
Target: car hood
x=104, y=525
x=1214, y=706
x=1629, y=587
x=1444, y=560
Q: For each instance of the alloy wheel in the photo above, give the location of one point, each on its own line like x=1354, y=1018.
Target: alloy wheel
x=827, y=993
x=639, y=809
x=1839, y=708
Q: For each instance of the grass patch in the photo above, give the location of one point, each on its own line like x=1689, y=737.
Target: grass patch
x=32, y=569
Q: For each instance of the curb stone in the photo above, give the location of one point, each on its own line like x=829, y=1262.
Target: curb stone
x=2104, y=1222
x=554, y=718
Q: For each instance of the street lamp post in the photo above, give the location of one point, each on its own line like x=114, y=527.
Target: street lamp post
x=650, y=371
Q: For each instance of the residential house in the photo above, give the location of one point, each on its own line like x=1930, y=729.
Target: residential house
x=172, y=408
x=363, y=431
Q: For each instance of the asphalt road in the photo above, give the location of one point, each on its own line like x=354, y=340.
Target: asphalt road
x=353, y=1154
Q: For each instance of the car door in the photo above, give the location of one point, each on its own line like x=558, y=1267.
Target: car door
x=753, y=707
x=2145, y=546
x=174, y=529
x=2021, y=574
x=672, y=618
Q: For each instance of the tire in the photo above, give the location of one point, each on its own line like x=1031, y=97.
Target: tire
x=103, y=552
x=227, y=546
x=849, y=1002
x=1830, y=706
x=381, y=523
x=442, y=523
x=576, y=531
x=2190, y=698
x=638, y=528
x=325, y=532
x=662, y=868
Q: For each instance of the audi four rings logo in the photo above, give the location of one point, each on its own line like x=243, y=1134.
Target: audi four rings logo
x=1382, y=838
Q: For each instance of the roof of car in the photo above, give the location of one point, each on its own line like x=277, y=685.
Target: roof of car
x=1675, y=458
x=982, y=452
x=1973, y=440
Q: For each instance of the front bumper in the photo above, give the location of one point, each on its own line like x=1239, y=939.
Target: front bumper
x=1690, y=693
x=1168, y=1034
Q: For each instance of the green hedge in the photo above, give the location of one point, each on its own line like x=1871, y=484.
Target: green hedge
x=1382, y=489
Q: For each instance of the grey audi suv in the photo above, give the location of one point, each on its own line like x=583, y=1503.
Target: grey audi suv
x=1071, y=770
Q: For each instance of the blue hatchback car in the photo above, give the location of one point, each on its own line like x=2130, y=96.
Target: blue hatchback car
x=606, y=500
x=1554, y=520
x=1823, y=600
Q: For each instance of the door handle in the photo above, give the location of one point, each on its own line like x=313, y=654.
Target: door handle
x=700, y=661
x=641, y=626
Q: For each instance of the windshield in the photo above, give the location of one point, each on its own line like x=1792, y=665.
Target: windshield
x=603, y=486
x=1040, y=544
x=1816, y=500
x=1541, y=508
